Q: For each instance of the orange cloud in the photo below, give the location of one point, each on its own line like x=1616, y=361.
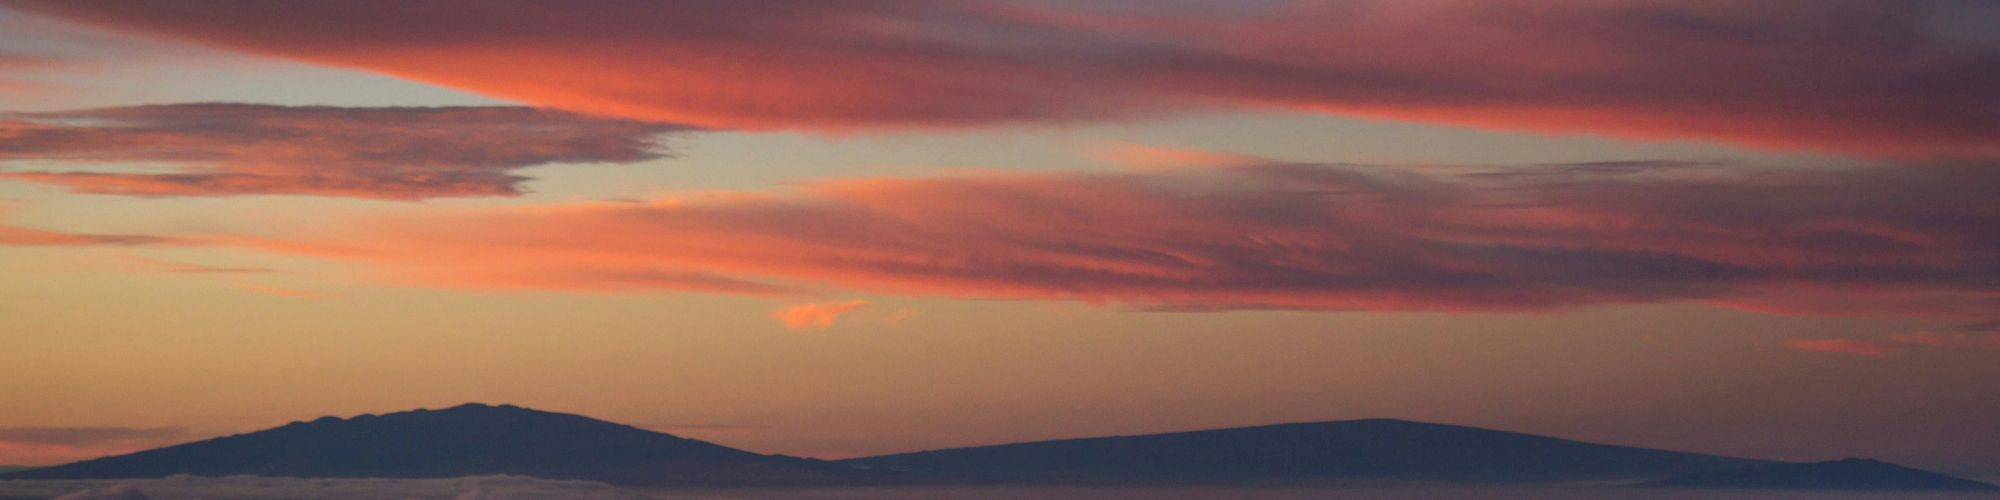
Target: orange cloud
x=278, y=291
x=1291, y=236
x=1893, y=76
x=813, y=316
x=167, y=266
x=378, y=153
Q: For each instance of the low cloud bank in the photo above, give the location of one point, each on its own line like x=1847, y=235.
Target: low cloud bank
x=1903, y=240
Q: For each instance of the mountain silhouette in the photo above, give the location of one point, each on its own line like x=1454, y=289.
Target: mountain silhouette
x=472, y=439
x=1353, y=449
x=1848, y=474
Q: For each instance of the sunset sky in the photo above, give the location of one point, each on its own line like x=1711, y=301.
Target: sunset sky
x=834, y=229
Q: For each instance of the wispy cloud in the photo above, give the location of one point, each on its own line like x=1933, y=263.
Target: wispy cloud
x=378, y=153
x=1968, y=336
x=1872, y=348
x=28, y=236
x=1901, y=76
x=1142, y=156
x=15, y=65
x=816, y=315
x=1956, y=340
x=168, y=266
x=279, y=291
x=1896, y=239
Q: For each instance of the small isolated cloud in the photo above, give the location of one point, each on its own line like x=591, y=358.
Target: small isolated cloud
x=814, y=316
x=279, y=291
x=898, y=316
x=405, y=153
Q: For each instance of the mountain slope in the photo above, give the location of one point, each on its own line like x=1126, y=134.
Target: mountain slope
x=1374, y=449
x=1849, y=474
x=460, y=441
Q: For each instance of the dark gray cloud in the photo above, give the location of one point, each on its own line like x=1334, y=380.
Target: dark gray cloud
x=402, y=153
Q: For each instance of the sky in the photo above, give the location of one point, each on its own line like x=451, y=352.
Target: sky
x=836, y=229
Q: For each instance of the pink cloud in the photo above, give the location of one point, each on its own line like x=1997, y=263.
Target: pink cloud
x=1968, y=336
x=1141, y=156
x=378, y=153
x=1846, y=346
x=1287, y=236
x=1896, y=77
x=814, y=316
x=15, y=65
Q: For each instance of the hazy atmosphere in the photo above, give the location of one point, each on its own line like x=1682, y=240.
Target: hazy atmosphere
x=1760, y=229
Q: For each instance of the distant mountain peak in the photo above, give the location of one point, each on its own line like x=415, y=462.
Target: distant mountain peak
x=484, y=407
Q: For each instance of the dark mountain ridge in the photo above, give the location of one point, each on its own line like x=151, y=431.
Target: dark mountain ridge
x=479, y=439
x=1370, y=449
x=472, y=439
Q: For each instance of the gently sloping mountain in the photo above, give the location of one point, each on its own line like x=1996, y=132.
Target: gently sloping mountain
x=1353, y=449
x=465, y=440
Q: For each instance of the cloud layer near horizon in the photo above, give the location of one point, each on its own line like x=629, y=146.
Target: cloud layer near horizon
x=1916, y=240
x=75, y=443
x=405, y=153
x=1898, y=77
